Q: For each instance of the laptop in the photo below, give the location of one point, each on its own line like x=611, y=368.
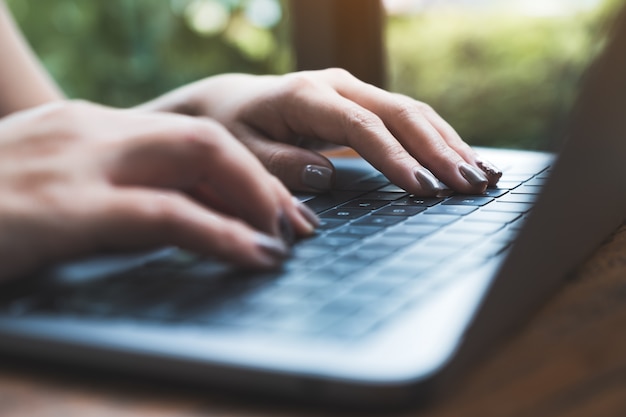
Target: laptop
x=387, y=304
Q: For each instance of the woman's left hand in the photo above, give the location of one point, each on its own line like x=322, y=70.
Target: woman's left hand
x=273, y=115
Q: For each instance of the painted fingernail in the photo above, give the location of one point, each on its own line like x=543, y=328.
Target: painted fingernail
x=428, y=182
x=472, y=175
x=286, y=230
x=307, y=213
x=274, y=249
x=493, y=172
x=318, y=177
x=444, y=192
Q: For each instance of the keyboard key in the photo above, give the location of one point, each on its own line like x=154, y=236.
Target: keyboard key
x=509, y=207
x=427, y=254
x=505, y=236
x=467, y=201
x=508, y=185
x=371, y=253
x=337, y=269
x=374, y=289
x=329, y=241
x=378, y=195
x=330, y=224
x=480, y=228
x=399, y=211
x=355, y=260
x=521, y=177
x=367, y=185
x=395, y=241
x=310, y=252
x=391, y=188
x=454, y=210
x=373, y=250
x=490, y=249
x=407, y=269
x=517, y=224
x=536, y=182
x=517, y=198
x=323, y=277
x=379, y=220
x=432, y=219
x=344, y=213
x=492, y=216
x=495, y=192
x=329, y=200
x=452, y=240
x=414, y=230
x=365, y=204
x=528, y=189
x=417, y=201
x=343, y=307
x=357, y=230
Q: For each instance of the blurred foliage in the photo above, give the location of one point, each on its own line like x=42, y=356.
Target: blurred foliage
x=122, y=52
x=501, y=80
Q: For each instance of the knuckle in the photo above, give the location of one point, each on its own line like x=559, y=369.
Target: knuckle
x=408, y=110
x=338, y=73
x=161, y=212
x=362, y=119
x=424, y=107
x=58, y=110
x=396, y=155
x=72, y=109
x=199, y=139
x=64, y=121
x=300, y=82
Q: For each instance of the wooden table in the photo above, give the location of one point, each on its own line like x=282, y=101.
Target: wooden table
x=568, y=360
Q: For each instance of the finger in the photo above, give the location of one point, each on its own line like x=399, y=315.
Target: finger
x=303, y=219
x=138, y=219
x=186, y=153
x=453, y=139
x=405, y=119
x=314, y=110
x=299, y=169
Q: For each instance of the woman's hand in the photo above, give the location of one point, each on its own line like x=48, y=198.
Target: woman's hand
x=405, y=139
x=77, y=178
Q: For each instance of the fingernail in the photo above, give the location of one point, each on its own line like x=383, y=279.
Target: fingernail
x=274, y=249
x=428, y=182
x=475, y=177
x=317, y=176
x=286, y=230
x=493, y=172
x=444, y=192
x=307, y=213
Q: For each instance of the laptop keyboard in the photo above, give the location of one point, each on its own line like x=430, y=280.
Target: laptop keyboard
x=377, y=252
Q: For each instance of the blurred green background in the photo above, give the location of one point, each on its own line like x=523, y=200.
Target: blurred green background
x=502, y=76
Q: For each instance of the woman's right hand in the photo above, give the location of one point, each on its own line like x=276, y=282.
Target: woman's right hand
x=78, y=179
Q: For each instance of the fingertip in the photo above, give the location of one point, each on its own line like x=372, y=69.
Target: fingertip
x=474, y=177
x=492, y=172
x=306, y=221
x=286, y=229
x=317, y=177
x=271, y=251
x=429, y=185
